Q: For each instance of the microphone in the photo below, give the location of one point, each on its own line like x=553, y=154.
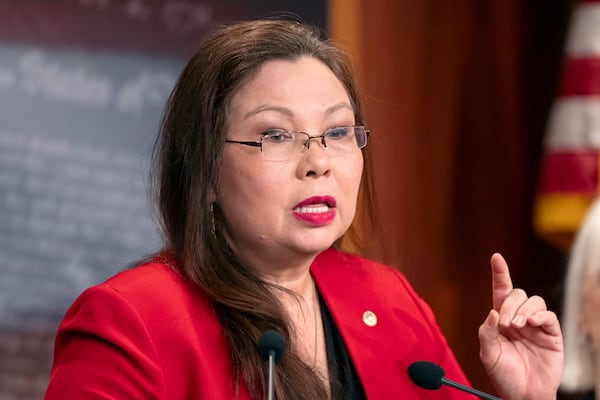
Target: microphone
x=430, y=376
x=271, y=346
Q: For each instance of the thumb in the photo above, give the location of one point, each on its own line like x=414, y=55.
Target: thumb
x=489, y=345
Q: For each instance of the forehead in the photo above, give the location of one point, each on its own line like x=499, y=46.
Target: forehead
x=301, y=83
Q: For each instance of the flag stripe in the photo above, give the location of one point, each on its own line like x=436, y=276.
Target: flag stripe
x=570, y=172
x=581, y=77
x=584, y=35
x=574, y=124
x=560, y=212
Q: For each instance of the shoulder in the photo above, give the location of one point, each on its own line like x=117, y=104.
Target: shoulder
x=156, y=277
x=152, y=292
x=146, y=330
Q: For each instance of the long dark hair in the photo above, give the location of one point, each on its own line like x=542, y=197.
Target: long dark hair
x=187, y=160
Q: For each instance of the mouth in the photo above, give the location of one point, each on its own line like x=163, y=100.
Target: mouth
x=316, y=211
x=315, y=205
x=312, y=209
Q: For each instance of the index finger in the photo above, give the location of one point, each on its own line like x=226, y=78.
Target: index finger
x=501, y=282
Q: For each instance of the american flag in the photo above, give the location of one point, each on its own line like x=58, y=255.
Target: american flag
x=569, y=170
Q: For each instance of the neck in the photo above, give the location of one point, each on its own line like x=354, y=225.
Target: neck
x=292, y=274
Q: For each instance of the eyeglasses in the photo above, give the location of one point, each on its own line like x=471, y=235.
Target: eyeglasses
x=280, y=145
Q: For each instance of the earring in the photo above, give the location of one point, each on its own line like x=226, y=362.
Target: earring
x=211, y=211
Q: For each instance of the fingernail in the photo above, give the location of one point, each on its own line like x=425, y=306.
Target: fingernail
x=518, y=320
x=505, y=320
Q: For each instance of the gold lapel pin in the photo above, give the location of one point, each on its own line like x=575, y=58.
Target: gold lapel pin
x=369, y=318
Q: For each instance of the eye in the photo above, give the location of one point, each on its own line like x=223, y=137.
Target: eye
x=341, y=132
x=276, y=136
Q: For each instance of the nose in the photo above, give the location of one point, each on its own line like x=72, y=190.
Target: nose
x=315, y=161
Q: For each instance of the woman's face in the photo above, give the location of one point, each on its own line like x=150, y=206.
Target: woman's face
x=281, y=212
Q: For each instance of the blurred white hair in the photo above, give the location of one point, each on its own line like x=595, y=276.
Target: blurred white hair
x=584, y=260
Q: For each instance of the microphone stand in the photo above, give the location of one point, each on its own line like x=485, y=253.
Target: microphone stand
x=467, y=389
x=271, y=390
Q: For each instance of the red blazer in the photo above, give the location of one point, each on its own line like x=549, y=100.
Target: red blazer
x=144, y=334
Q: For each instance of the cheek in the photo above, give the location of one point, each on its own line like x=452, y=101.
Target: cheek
x=353, y=173
x=349, y=180
x=244, y=184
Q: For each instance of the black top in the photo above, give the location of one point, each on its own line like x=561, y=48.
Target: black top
x=591, y=395
x=344, y=382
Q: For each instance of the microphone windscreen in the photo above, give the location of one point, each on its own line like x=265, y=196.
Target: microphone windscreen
x=426, y=375
x=271, y=340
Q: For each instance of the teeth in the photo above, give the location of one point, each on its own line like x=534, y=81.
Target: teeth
x=313, y=210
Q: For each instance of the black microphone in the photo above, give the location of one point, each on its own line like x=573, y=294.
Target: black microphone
x=430, y=376
x=271, y=346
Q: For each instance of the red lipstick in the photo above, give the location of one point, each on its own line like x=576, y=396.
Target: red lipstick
x=316, y=210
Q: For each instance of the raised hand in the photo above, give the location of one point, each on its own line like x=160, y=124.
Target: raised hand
x=521, y=346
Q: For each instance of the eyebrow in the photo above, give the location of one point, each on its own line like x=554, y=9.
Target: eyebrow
x=290, y=113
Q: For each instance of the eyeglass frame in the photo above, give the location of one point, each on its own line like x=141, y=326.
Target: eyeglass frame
x=258, y=143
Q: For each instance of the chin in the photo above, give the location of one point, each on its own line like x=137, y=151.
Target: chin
x=317, y=245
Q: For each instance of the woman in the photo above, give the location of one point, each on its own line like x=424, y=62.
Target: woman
x=261, y=160
x=580, y=309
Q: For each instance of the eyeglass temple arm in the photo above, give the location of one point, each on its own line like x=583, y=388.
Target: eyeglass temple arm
x=250, y=143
